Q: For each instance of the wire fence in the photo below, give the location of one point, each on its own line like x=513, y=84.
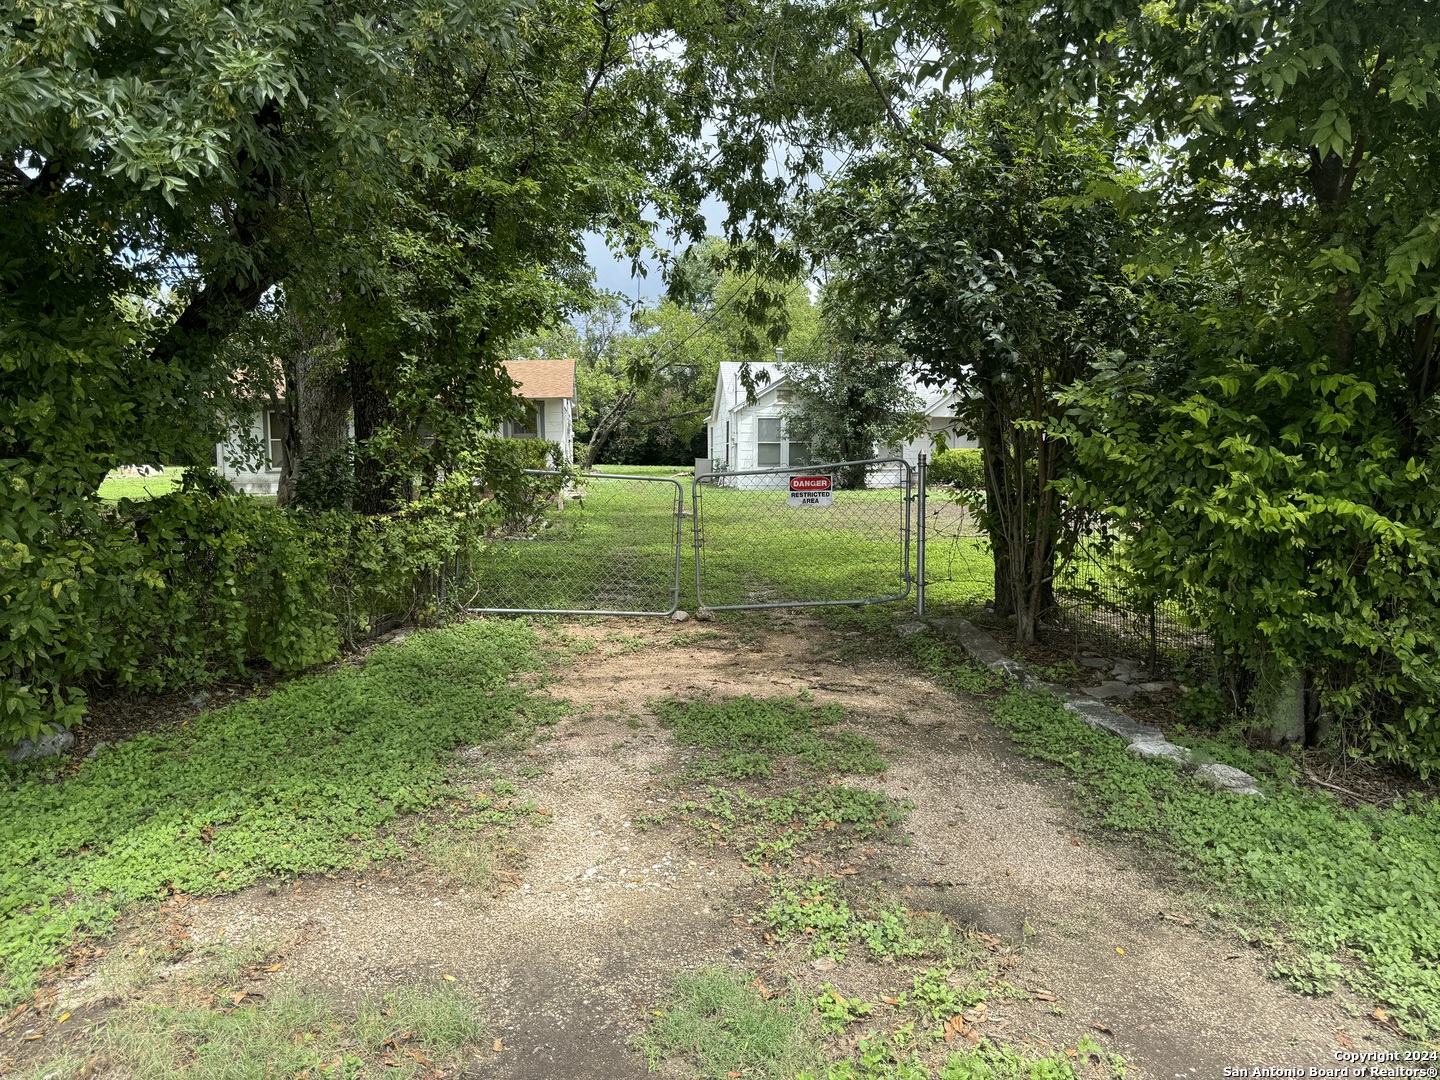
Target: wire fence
x=1095, y=594
x=1098, y=597
x=809, y=535
x=606, y=545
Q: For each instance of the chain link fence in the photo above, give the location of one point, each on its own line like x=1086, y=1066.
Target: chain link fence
x=809, y=535
x=606, y=544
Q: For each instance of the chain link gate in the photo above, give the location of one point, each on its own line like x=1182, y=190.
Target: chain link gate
x=804, y=536
x=606, y=544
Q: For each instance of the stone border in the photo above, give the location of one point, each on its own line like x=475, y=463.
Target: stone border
x=1144, y=741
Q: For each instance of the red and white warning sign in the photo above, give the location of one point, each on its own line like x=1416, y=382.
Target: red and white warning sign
x=809, y=491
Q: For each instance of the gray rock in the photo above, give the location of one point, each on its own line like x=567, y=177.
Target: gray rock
x=94, y=751
x=1159, y=748
x=906, y=629
x=56, y=742
x=1099, y=663
x=825, y=963
x=198, y=699
x=680, y=616
x=1157, y=687
x=1229, y=778
x=1112, y=689
x=705, y=615
x=1143, y=740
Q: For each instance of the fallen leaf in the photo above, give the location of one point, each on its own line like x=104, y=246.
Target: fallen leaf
x=63, y=1017
x=448, y=978
x=236, y=999
x=1044, y=995
x=1381, y=1015
x=890, y=1000
x=423, y=1060
x=1344, y=1041
x=1102, y=1029
x=274, y=967
x=1119, y=950
x=497, y=1046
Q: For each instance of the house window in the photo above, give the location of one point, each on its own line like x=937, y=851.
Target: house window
x=532, y=426
x=768, y=448
x=277, y=425
x=773, y=446
x=785, y=395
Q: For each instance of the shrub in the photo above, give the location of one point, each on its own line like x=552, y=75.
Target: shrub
x=199, y=583
x=963, y=469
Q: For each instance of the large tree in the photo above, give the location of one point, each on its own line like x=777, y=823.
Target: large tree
x=981, y=267
x=1287, y=483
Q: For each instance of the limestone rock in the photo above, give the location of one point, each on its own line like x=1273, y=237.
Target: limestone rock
x=57, y=742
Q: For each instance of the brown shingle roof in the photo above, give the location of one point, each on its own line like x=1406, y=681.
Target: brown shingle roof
x=543, y=378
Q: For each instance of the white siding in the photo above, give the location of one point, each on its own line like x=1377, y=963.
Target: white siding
x=247, y=478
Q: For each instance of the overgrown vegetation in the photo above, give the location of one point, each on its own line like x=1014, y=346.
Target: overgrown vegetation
x=816, y=911
x=312, y=777
x=1348, y=889
x=746, y=736
x=201, y=583
x=724, y=1023
x=408, y=1034
x=748, y=741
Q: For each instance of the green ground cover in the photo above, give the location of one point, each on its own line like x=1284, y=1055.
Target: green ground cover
x=303, y=780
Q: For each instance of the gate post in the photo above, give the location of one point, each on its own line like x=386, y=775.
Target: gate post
x=920, y=540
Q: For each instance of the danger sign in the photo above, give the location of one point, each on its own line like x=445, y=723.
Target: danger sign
x=809, y=491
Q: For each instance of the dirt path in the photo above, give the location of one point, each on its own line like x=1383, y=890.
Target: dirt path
x=571, y=953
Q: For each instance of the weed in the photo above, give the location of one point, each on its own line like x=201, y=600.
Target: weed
x=892, y=1058
x=744, y=736
x=772, y=829
x=818, y=910
x=1337, y=880
x=836, y=1011
x=725, y=1025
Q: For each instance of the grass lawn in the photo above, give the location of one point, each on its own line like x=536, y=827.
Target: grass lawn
x=114, y=487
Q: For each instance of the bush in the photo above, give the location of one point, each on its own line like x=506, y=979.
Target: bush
x=200, y=583
x=963, y=469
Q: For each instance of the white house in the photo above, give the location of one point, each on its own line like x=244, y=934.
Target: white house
x=749, y=433
x=547, y=388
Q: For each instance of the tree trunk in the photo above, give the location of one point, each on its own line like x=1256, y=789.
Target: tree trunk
x=378, y=487
x=1022, y=518
x=607, y=426
x=317, y=405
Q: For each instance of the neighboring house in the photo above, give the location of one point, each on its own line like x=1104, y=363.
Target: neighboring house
x=547, y=388
x=233, y=463
x=942, y=427
x=746, y=433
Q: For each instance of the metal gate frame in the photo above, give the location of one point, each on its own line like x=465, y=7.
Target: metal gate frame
x=908, y=531
x=677, y=532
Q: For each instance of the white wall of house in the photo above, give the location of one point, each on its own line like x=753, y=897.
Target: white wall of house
x=555, y=421
x=245, y=474
x=940, y=427
x=746, y=435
